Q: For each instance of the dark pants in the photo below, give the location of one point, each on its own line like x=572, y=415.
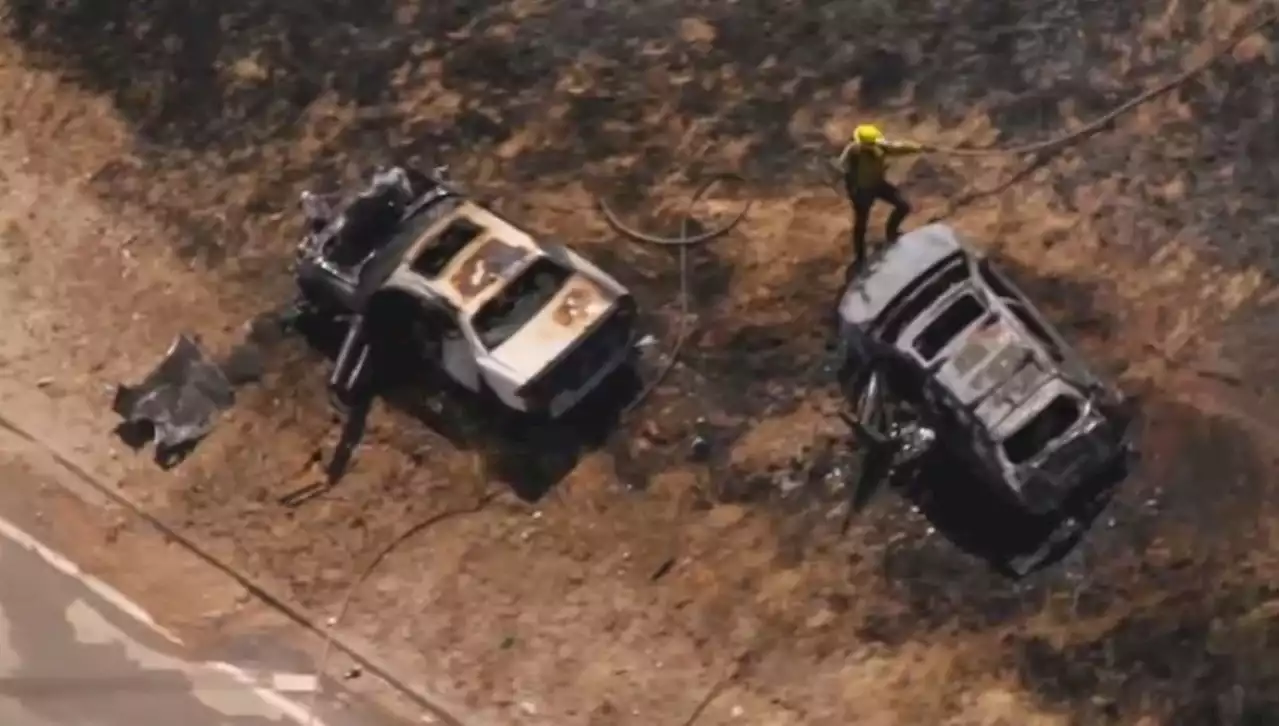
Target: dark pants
x=862, y=200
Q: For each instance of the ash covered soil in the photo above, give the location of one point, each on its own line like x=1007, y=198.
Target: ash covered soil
x=615, y=581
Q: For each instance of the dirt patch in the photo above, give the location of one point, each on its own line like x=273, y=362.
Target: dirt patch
x=598, y=604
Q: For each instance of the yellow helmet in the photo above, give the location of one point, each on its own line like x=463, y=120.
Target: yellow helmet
x=867, y=134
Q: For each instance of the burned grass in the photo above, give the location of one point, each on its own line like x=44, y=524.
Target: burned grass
x=526, y=93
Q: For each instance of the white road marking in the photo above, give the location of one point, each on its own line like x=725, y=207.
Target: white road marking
x=288, y=707
x=57, y=561
x=291, y=681
x=294, y=683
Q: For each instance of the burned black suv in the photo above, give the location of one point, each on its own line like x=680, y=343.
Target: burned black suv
x=415, y=266
x=933, y=329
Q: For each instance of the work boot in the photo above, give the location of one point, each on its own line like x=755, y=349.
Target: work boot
x=893, y=226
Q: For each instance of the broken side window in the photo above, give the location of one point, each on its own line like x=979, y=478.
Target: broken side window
x=1037, y=329
x=1040, y=430
x=371, y=224
x=1002, y=288
x=959, y=315
x=446, y=246
x=519, y=301
x=924, y=295
x=998, y=284
x=368, y=224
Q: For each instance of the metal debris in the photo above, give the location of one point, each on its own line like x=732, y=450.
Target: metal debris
x=700, y=446
x=836, y=479
x=179, y=400
x=662, y=570
x=789, y=484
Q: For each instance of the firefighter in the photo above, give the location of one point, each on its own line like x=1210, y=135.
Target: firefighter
x=863, y=163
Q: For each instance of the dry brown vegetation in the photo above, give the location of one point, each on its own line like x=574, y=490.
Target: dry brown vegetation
x=151, y=155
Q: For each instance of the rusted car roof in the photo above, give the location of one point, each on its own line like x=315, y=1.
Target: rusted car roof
x=481, y=265
x=578, y=305
x=499, y=252
x=497, y=256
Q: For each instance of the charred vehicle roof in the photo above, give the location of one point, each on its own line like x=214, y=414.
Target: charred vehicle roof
x=439, y=244
x=969, y=350
x=527, y=301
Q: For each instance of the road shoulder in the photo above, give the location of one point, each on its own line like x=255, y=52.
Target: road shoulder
x=209, y=627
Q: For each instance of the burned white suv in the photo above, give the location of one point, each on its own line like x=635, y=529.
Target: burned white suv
x=419, y=269
x=936, y=340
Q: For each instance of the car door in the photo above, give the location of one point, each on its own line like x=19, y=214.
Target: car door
x=435, y=337
x=457, y=358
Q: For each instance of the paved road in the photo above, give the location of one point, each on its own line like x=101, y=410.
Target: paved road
x=72, y=653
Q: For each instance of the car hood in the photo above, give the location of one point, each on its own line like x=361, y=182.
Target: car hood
x=902, y=265
x=570, y=316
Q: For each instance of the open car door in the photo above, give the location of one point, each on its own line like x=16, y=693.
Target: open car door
x=869, y=422
x=891, y=447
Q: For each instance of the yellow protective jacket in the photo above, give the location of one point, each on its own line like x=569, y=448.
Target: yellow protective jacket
x=865, y=166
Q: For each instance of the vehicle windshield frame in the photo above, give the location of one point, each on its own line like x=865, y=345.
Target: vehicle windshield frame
x=1028, y=444
x=922, y=293
x=415, y=212
x=331, y=236
x=525, y=275
x=946, y=321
